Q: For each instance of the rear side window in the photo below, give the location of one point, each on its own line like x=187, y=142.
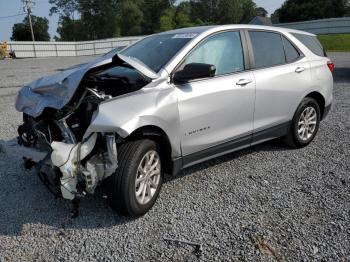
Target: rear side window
x=292, y=53
x=268, y=49
x=312, y=43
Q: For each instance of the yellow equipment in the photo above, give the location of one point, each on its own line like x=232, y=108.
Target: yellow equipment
x=3, y=50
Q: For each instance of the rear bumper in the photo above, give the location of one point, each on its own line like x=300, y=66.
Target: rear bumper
x=327, y=109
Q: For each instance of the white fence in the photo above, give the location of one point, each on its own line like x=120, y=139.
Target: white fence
x=322, y=27
x=47, y=49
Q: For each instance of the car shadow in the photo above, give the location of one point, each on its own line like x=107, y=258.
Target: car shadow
x=342, y=74
x=272, y=145
x=26, y=203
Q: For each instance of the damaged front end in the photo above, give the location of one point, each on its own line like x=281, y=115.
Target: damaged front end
x=80, y=176
x=57, y=113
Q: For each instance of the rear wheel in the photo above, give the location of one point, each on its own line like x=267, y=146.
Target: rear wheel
x=305, y=123
x=134, y=187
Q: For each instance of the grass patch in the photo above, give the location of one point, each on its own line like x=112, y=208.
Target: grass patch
x=336, y=43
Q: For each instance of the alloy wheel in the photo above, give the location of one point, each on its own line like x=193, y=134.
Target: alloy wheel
x=147, y=177
x=307, y=123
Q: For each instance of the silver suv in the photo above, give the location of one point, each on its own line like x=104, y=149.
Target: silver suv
x=168, y=102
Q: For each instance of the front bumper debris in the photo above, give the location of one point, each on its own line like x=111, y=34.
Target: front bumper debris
x=73, y=170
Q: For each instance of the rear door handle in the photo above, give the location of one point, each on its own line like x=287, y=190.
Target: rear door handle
x=243, y=82
x=300, y=69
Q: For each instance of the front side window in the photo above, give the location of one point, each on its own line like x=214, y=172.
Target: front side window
x=223, y=50
x=268, y=49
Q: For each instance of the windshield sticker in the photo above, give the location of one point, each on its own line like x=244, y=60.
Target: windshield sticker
x=189, y=35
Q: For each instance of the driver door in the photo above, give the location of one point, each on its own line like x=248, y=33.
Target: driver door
x=216, y=113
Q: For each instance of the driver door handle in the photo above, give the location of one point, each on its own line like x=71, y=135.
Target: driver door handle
x=300, y=69
x=244, y=82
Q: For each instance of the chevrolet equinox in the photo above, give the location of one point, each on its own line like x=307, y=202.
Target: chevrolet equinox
x=170, y=101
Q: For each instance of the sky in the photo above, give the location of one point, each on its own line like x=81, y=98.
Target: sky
x=42, y=7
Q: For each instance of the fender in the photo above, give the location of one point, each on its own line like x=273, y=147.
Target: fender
x=156, y=106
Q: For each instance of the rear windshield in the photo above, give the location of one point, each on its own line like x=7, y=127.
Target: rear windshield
x=312, y=43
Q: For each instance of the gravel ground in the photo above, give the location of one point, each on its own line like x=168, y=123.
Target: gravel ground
x=261, y=204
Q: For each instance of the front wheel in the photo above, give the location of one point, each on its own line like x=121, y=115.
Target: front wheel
x=134, y=187
x=305, y=123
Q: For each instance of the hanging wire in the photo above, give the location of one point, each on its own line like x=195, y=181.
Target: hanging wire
x=2, y=17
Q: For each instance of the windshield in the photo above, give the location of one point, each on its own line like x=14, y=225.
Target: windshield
x=157, y=50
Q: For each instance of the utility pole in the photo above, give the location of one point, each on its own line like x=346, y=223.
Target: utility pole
x=27, y=7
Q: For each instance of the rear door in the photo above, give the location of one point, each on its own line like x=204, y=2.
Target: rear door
x=216, y=111
x=282, y=75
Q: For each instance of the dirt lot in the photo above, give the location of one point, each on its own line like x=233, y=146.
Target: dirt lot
x=265, y=203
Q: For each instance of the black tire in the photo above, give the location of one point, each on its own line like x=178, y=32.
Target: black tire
x=121, y=185
x=293, y=138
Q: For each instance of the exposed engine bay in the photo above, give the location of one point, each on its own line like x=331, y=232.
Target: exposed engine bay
x=76, y=160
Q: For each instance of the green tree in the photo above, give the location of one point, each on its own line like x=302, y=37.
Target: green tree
x=205, y=10
x=96, y=19
x=181, y=20
x=177, y=17
x=223, y=11
x=70, y=30
x=249, y=10
x=130, y=18
x=231, y=12
x=303, y=10
x=109, y=18
x=166, y=22
x=99, y=18
x=64, y=8
x=183, y=16
x=21, y=31
x=260, y=11
x=152, y=12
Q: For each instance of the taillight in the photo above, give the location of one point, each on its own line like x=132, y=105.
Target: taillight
x=330, y=65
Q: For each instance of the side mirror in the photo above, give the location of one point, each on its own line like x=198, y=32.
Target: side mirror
x=194, y=71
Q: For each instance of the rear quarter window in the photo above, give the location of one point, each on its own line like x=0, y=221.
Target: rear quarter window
x=312, y=43
x=292, y=54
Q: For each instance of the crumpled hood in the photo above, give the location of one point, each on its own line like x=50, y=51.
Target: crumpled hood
x=55, y=91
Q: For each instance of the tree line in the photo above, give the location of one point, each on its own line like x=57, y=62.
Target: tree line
x=81, y=20
x=111, y=18
x=301, y=10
